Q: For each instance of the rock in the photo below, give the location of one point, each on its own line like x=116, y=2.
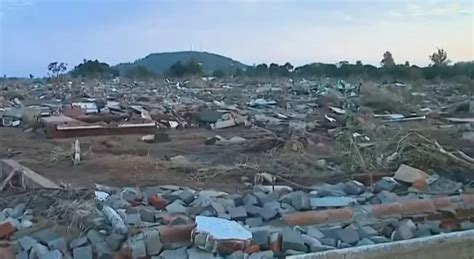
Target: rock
x=152, y=242
x=353, y=188
x=300, y=201
x=287, y=208
x=174, y=254
x=238, y=213
x=84, y=252
x=404, y=230
x=194, y=253
x=27, y=242
x=253, y=210
x=330, y=202
x=38, y=251
x=331, y=242
x=349, y=235
x=292, y=240
x=186, y=196
x=379, y=239
x=18, y=211
x=367, y=231
x=133, y=219
x=147, y=215
x=22, y=255
x=387, y=197
x=55, y=254
x=218, y=207
x=422, y=231
x=269, y=211
x=103, y=251
x=385, y=184
x=115, y=240
x=261, y=237
x=249, y=199
x=131, y=195
x=254, y=221
x=365, y=242
x=331, y=232
x=262, y=255
x=342, y=245
x=236, y=255
x=94, y=236
x=467, y=225
x=313, y=243
x=409, y=174
x=46, y=235
x=137, y=244
x=261, y=196
x=78, y=242
x=314, y=232
x=176, y=207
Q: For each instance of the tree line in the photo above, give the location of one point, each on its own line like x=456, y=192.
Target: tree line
x=440, y=67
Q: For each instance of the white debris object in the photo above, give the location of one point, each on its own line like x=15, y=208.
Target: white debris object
x=329, y=118
x=337, y=110
x=222, y=229
x=409, y=174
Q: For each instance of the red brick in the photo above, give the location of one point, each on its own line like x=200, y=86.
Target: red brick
x=449, y=225
x=230, y=246
x=157, y=201
x=442, y=204
x=7, y=253
x=306, y=218
x=468, y=201
x=339, y=215
x=417, y=207
x=6, y=229
x=387, y=210
x=252, y=249
x=274, y=243
x=176, y=234
x=420, y=184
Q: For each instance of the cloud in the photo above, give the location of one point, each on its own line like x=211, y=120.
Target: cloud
x=15, y=5
x=439, y=9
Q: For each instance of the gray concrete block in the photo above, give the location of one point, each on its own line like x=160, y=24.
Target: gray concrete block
x=300, y=201
x=94, y=236
x=254, y=221
x=22, y=255
x=46, y=235
x=137, y=244
x=262, y=255
x=238, y=213
x=103, y=251
x=314, y=232
x=186, y=196
x=349, y=235
x=353, y=188
x=367, y=231
x=327, y=241
x=387, y=197
x=218, y=207
x=174, y=254
x=133, y=219
x=27, y=242
x=18, y=211
x=292, y=240
x=253, y=210
x=55, y=254
x=236, y=255
x=331, y=232
x=422, y=231
x=286, y=208
x=365, y=242
x=261, y=237
x=147, y=215
x=249, y=199
x=385, y=184
x=238, y=201
x=176, y=207
x=405, y=230
x=270, y=210
x=194, y=253
x=152, y=242
x=260, y=197
x=83, y=252
x=342, y=245
x=379, y=239
x=114, y=241
x=59, y=244
x=78, y=242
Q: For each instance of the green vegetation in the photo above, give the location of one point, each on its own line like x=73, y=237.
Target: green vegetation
x=180, y=69
x=93, y=69
x=138, y=73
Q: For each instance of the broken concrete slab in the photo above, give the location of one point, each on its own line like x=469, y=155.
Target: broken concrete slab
x=114, y=240
x=174, y=254
x=292, y=240
x=300, y=201
x=78, y=242
x=262, y=255
x=238, y=213
x=27, y=242
x=353, y=188
x=254, y=221
x=409, y=174
x=365, y=242
x=176, y=207
x=147, y=214
x=404, y=231
x=331, y=202
x=83, y=252
x=152, y=242
x=349, y=235
x=261, y=237
x=134, y=219
x=385, y=184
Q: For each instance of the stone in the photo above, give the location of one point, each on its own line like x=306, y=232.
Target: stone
x=78, y=242
x=194, y=253
x=157, y=201
x=270, y=197
x=331, y=232
x=22, y=255
x=387, y=197
x=349, y=235
x=287, y=208
x=94, y=236
x=261, y=237
x=224, y=216
x=218, y=207
x=409, y=174
x=103, y=251
x=365, y=242
x=404, y=231
x=6, y=229
x=353, y=188
x=18, y=211
x=314, y=232
x=291, y=239
x=367, y=231
x=174, y=254
x=115, y=240
x=254, y=221
x=249, y=199
x=467, y=225
x=379, y=239
x=238, y=213
x=261, y=196
x=422, y=231
x=238, y=201
x=176, y=207
x=147, y=215
x=38, y=251
x=55, y=254
x=152, y=242
x=59, y=244
x=83, y=252
x=385, y=184
x=332, y=242
x=27, y=242
x=300, y=201
x=342, y=245
x=236, y=255
x=331, y=202
x=268, y=213
x=262, y=255
x=253, y=210
x=137, y=244
x=186, y=196
x=133, y=219
x=131, y=195
x=46, y=235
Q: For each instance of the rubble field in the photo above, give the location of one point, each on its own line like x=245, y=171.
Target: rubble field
x=209, y=168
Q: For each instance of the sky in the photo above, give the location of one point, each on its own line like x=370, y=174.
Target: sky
x=34, y=33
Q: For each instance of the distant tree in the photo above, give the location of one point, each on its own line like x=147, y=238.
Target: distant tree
x=387, y=60
x=238, y=72
x=261, y=69
x=32, y=76
x=273, y=69
x=341, y=63
x=439, y=58
x=138, y=72
x=359, y=63
x=407, y=63
x=93, y=69
x=56, y=68
x=219, y=73
x=289, y=67
x=180, y=69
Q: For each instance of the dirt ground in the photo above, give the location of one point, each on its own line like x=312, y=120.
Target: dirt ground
x=117, y=160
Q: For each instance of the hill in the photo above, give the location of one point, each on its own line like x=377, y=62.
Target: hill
x=160, y=62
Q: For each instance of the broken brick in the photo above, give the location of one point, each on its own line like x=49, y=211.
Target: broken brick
x=6, y=229
x=157, y=201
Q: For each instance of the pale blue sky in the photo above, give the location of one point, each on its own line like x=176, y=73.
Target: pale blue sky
x=36, y=32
